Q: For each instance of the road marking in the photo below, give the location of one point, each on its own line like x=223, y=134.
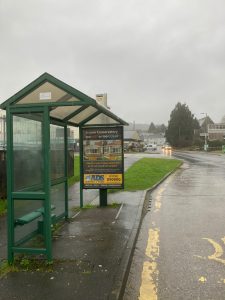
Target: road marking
x=119, y=212
x=158, y=199
x=218, y=251
x=73, y=217
x=150, y=273
x=202, y=279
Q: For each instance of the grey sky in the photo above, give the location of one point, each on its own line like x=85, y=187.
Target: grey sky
x=146, y=54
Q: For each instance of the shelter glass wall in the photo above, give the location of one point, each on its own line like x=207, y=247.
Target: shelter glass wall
x=28, y=176
x=58, y=175
x=25, y=232
x=27, y=152
x=57, y=144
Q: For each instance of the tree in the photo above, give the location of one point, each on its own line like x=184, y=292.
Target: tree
x=180, y=132
x=156, y=128
x=152, y=128
x=162, y=128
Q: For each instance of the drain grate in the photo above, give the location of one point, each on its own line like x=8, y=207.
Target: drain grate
x=149, y=203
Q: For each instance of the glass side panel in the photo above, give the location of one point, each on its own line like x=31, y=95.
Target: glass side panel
x=23, y=208
x=102, y=119
x=57, y=145
x=84, y=114
x=58, y=198
x=47, y=92
x=62, y=112
x=27, y=152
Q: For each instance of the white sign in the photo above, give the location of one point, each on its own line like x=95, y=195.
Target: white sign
x=45, y=96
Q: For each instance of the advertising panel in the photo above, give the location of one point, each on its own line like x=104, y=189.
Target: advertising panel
x=103, y=157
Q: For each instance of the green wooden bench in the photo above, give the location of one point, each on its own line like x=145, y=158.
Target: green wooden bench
x=32, y=216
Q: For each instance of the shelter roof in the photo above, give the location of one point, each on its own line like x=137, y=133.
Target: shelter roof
x=65, y=103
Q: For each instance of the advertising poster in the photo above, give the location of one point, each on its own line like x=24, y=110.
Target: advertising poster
x=103, y=157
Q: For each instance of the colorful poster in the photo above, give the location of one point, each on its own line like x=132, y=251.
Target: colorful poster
x=103, y=157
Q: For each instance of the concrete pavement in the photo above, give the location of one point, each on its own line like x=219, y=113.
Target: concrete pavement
x=91, y=254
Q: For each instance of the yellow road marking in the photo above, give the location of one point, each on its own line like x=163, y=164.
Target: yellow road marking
x=202, y=279
x=217, y=253
x=223, y=239
x=148, y=289
x=158, y=199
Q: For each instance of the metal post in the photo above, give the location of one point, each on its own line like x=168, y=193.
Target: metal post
x=47, y=184
x=66, y=170
x=103, y=197
x=4, y=132
x=10, y=208
x=205, y=132
x=81, y=165
x=205, y=144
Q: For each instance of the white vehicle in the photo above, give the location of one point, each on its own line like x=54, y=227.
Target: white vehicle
x=151, y=147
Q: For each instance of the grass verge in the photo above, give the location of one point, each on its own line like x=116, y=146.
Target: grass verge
x=147, y=172
x=141, y=175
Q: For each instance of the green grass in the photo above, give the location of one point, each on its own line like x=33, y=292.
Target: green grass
x=148, y=171
x=3, y=207
x=72, y=180
x=141, y=175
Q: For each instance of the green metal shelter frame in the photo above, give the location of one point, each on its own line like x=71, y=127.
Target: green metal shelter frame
x=37, y=119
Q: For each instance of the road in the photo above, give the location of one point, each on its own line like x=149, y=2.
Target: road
x=180, y=249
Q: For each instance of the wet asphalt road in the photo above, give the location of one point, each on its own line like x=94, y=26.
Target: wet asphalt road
x=180, y=249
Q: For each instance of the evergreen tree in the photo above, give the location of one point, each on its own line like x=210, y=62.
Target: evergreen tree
x=181, y=126
x=162, y=128
x=152, y=128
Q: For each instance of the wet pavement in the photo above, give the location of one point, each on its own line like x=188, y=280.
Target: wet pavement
x=91, y=252
x=91, y=255
x=180, y=252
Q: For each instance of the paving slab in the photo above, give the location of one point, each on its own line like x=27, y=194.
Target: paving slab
x=91, y=254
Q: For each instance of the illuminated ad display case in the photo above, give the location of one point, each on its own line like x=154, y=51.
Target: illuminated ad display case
x=103, y=160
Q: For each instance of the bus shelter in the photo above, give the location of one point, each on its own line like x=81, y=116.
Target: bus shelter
x=37, y=120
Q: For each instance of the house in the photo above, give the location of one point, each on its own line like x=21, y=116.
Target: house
x=204, y=123
x=132, y=140
x=153, y=138
x=216, y=132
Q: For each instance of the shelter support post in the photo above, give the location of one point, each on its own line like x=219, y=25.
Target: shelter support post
x=81, y=165
x=10, y=214
x=103, y=197
x=66, y=171
x=47, y=185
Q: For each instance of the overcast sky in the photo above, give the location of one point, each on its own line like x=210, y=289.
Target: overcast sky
x=145, y=54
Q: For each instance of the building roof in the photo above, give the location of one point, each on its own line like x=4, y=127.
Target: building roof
x=131, y=135
x=206, y=120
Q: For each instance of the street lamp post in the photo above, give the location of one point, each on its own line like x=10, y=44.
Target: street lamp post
x=205, y=145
